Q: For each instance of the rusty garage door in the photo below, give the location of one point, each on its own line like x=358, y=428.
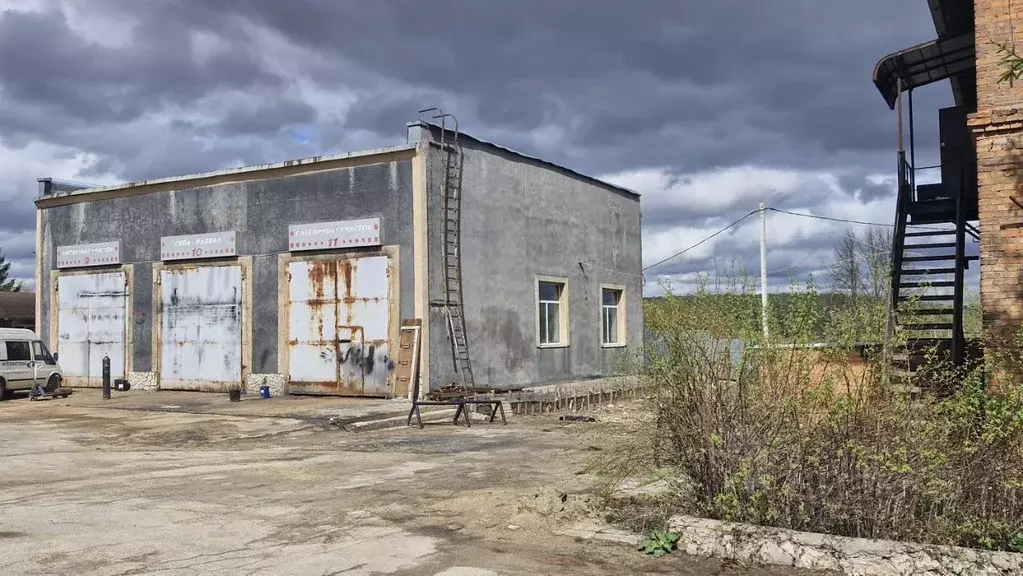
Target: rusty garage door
x=339, y=322
x=201, y=328
x=91, y=324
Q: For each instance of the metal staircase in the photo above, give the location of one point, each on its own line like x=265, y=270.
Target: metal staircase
x=933, y=219
x=928, y=268
x=451, y=154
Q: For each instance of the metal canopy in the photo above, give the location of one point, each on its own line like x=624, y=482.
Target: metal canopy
x=924, y=64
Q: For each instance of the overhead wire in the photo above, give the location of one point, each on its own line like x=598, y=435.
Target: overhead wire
x=701, y=242
x=829, y=218
x=780, y=211
x=846, y=220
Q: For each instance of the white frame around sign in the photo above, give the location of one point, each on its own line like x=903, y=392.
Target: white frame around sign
x=333, y=235
x=88, y=260
x=226, y=249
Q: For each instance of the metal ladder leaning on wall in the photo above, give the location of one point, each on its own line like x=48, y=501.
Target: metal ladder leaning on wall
x=452, y=214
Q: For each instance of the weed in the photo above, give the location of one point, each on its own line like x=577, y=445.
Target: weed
x=1011, y=63
x=659, y=543
x=812, y=429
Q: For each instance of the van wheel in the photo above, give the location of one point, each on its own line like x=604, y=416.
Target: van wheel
x=52, y=384
x=3, y=389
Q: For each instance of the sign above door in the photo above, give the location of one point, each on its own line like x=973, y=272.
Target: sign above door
x=191, y=246
x=80, y=255
x=330, y=235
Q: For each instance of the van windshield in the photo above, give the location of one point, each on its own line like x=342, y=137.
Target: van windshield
x=41, y=353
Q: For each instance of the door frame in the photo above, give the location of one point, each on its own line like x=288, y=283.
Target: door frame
x=129, y=304
x=284, y=260
x=243, y=262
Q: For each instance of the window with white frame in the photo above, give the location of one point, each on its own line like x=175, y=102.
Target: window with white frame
x=612, y=317
x=552, y=329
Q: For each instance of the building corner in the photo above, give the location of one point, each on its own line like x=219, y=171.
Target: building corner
x=419, y=136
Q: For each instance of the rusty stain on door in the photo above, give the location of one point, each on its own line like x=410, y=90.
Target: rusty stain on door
x=339, y=323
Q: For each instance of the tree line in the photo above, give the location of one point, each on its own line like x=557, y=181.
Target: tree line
x=7, y=284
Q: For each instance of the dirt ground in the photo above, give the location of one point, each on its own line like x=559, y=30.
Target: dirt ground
x=88, y=489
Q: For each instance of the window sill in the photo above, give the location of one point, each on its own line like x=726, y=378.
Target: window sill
x=614, y=345
x=546, y=346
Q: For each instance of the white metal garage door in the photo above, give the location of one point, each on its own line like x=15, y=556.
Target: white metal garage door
x=338, y=326
x=201, y=328
x=91, y=324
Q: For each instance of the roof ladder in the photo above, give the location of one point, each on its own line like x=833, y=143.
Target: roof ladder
x=451, y=152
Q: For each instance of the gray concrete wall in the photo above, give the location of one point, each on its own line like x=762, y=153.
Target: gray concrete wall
x=522, y=218
x=259, y=211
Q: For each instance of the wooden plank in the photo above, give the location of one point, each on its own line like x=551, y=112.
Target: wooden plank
x=408, y=357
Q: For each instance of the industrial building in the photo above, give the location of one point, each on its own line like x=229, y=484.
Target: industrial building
x=299, y=275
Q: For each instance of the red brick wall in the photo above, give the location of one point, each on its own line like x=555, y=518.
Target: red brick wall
x=996, y=24
x=998, y=129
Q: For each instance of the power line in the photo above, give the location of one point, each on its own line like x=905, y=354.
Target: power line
x=781, y=211
x=819, y=217
x=681, y=252
x=802, y=237
x=848, y=221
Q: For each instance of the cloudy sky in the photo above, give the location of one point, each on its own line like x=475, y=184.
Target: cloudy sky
x=706, y=108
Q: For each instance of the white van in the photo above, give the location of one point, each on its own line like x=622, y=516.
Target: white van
x=23, y=357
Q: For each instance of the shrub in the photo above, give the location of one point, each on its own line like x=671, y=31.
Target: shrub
x=781, y=433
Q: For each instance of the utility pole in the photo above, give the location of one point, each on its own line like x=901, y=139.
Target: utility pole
x=763, y=267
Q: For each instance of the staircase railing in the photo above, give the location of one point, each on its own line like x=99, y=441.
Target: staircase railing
x=958, y=334
x=903, y=198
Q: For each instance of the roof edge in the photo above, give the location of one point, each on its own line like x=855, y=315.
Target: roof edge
x=141, y=186
x=546, y=163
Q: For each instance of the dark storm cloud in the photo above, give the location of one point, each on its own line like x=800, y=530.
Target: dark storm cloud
x=798, y=68
x=601, y=86
x=43, y=61
x=267, y=119
x=782, y=82
x=384, y=113
x=866, y=190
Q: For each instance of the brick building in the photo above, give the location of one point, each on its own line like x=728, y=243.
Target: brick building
x=997, y=126
x=980, y=192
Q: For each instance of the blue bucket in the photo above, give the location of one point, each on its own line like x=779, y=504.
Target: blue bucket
x=264, y=392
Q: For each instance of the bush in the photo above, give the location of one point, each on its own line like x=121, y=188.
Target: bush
x=781, y=433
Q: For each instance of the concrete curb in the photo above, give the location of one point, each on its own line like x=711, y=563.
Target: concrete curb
x=843, y=555
x=839, y=554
